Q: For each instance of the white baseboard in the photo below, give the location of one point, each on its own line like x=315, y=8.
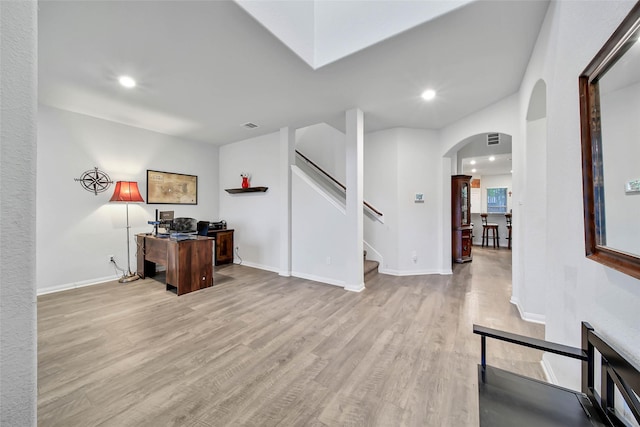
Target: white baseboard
x=529, y=317
x=74, y=285
x=320, y=279
x=358, y=288
x=258, y=266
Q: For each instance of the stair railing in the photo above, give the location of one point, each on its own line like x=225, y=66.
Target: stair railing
x=335, y=181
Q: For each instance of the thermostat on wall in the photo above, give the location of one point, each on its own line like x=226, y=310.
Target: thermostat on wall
x=419, y=198
x=632, y=187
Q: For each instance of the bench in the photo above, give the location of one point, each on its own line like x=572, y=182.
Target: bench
x=509, y=399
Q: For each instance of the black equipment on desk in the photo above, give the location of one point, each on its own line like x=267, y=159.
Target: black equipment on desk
x=184, y=225
x=219, y=225
x=203, y=228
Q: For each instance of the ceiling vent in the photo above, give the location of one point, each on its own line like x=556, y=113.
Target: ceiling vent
x=493, y=138
x=250, y=125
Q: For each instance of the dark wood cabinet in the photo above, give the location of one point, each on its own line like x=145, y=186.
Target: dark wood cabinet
x=461, y=228
x=187, y=262
x=223, y=246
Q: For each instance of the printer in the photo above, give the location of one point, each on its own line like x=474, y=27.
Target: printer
x=219, y=225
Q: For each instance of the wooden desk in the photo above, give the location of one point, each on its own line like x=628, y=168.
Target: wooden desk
x=224, y=245
x=188, y=262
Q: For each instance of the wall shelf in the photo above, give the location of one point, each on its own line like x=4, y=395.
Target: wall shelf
x=246, y=190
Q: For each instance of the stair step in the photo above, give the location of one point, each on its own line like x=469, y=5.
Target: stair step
x=370, y=268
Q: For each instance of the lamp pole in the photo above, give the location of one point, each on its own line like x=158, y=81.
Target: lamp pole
x=128, y=244
x=128, y=276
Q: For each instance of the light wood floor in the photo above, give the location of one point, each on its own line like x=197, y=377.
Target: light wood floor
x=262, y=350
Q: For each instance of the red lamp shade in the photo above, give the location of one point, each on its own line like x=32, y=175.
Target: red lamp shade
x=126, y=191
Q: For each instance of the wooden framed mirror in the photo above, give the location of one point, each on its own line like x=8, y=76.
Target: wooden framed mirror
x=610, y=128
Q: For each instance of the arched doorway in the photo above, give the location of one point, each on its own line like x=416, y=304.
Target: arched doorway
x=487, y=157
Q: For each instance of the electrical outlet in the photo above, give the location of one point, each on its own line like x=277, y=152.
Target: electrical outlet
x=328, y=260
x=110, y=258
x=414, y=256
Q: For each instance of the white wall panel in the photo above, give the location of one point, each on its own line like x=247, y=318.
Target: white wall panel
x=319, y=230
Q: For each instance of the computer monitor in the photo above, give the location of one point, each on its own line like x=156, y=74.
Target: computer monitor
x=166, y=220
x=166, y=216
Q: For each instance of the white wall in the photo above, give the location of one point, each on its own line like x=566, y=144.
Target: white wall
x=399, y=163
x=495, y=181
x=577, y=289
x=77, y=230
x=418, y=229
x=325, y=146
x=531, y=301
x=18, y=341
x=318, y=230
x=380, y=188
x=254, y=216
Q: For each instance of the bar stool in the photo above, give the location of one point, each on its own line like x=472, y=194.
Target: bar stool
x=486, y=228
x=508, y=217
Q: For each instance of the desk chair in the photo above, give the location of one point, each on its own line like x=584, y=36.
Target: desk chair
x=489, y=227
x=508, y=217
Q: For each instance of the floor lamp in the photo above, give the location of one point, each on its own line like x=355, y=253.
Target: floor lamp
x=127, y=192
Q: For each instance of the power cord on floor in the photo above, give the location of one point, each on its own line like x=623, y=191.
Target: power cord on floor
x=238, y=255
x=115, y=266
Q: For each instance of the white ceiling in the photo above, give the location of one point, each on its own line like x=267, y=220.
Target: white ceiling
x=478, y=150
x=206, y=67
x=500, y=165
x=321, y=32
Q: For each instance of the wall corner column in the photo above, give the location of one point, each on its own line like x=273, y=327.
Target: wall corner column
x=354, y=280
x=18, y=151
x=287, y=159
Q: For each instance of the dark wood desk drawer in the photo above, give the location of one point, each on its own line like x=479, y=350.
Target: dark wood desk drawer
x=155, y=250
x=188, y=262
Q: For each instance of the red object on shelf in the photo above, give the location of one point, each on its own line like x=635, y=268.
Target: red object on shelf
x=245, y=182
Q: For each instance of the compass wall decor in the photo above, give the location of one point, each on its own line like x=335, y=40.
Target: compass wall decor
x=94, y=180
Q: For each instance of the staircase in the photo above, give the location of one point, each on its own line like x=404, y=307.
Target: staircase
x=370, y=267
x=329, y=185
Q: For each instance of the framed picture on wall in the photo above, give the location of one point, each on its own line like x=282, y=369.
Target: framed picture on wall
x=171, y=188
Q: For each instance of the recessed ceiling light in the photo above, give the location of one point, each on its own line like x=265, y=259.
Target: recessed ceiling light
x=127, y=81
x=473, y=162
x=492, y=158
x=428, y=94
x=473, y=170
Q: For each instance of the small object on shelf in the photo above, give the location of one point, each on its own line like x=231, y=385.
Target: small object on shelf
x=245, y=180
x=246, y=190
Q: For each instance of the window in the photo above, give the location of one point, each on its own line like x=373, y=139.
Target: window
x=496, y=200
